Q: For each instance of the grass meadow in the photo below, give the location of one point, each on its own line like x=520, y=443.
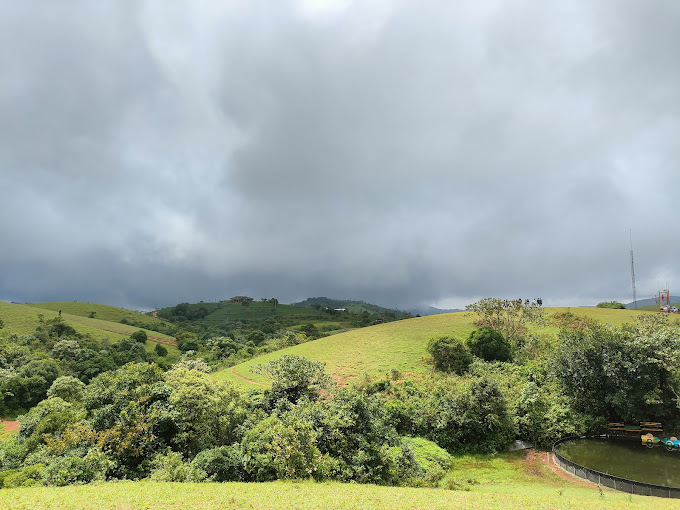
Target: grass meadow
x=508, y=481
x=400, y=345
x=103, y=312
x=23, y=319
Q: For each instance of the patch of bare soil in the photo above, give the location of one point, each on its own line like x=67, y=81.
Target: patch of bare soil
x=162, y=340
x=11, y=426
x=533, y=457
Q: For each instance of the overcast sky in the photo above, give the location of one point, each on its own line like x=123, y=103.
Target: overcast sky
x=397, y=152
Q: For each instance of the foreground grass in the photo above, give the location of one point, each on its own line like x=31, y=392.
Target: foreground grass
x=400, y=345
x=507, y=481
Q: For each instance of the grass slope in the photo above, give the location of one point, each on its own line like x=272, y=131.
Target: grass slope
x=398, y=345
x=257, y=313
x=350, y=305
x=228, y=311
x=103, y=312
x=23, y=319
x=506, y=481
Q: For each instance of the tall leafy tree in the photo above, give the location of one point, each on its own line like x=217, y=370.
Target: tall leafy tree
x=508, y=317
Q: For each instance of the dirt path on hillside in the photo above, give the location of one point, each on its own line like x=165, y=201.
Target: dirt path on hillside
x=11, y=426
x=162, y=340
x=246, y=379
x=548, y=459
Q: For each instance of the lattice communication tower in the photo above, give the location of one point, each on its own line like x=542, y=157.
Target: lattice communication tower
x=632, y=269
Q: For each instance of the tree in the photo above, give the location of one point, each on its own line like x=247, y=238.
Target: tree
x=187, y=341
x=223, y=464
x=489, y=344
x=207, y=412
x=160, y=350
x=128, y=409
x=310, y=330
x=509, y=318
x=256, y=336
x=612, y=304
x=630, y=373
x=139, y=336
x=60, y=328
x=281, y=447
x=68, y=388
x=294, y=377
x=449, y=354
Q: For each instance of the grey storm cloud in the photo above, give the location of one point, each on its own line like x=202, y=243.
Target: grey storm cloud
x=398, y=152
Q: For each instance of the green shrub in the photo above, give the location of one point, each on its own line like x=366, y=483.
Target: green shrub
x=68, y=388
x=449, y=354
x=139, y=336
x=470, y=415
x=433, y=462
x=612, y=304
x=489, y=344
x=12, y=453
x=160, y=350
x=281, y=448
x=223, y=464
x=170, y=467
x=29, y=476
x=72, y=469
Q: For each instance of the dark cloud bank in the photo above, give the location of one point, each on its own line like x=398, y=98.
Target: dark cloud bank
x=155, y=152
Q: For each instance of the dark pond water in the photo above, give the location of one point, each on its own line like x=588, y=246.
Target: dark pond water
x=626, y=459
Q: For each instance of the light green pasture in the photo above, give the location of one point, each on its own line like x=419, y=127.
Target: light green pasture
x=400, y=345
x=506, y=481
x=23, y=319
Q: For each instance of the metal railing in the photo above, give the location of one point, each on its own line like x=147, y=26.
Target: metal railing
x=611, y=481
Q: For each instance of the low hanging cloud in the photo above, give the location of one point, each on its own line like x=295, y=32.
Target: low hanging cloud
x=152, y=153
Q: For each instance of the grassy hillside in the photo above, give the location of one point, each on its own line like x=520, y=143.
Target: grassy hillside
x=396, y=345
x=23, y=319
x=240, y=321
x=350, y=305
x=508, y=481
x=227, y=310
x=103, y=312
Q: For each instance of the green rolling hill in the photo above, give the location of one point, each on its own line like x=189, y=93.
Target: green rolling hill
x=220, y=318
x=401, y=346
x=105, y=312
x=23, y=320
x=349, y=305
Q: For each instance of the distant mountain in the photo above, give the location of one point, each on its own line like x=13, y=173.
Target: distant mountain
x=430, y=310
x=349, y=305
x=651, y=302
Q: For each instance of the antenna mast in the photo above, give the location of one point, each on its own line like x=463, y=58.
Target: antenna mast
x=632, y=269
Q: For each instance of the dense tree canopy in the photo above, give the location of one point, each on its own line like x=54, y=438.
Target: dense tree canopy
x=96, y=410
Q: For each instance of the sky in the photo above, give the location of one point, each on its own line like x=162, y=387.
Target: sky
x=399, y=152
